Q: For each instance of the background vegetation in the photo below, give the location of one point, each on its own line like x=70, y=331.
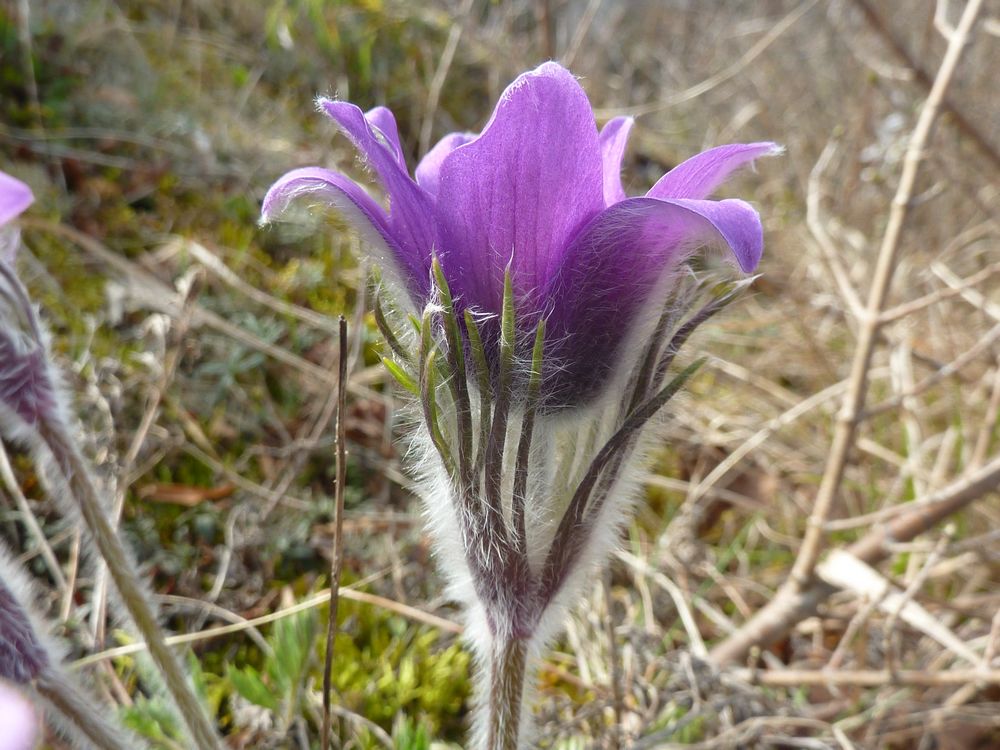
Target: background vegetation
x=149, y=131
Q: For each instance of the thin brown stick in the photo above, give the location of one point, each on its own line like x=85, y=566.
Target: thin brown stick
x=337, y=565
x=957, y=116
x=44, y=548
x=867, y=677
x=317, y=600
x=791, y=604
x=848, y=419
x=170, y=361
x=716, y=79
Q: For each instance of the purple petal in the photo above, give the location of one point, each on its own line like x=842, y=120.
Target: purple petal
x=699, y=176
x=360, y=211
x=15, y=196
x=520, y=191
x=428, y=171
x=612, y=270
x=384, y=122
x=614, y=137
x=410, y=207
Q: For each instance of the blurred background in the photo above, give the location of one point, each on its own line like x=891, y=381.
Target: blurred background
x=149, y=131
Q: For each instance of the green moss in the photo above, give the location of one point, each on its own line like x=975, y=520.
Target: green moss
x=383, y=668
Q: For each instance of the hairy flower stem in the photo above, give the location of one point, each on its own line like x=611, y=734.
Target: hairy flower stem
x=78, y=710
x=508, y=661
x=77, y=477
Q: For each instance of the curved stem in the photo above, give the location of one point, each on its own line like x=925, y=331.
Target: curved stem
x=76, y=475
x=62, y=693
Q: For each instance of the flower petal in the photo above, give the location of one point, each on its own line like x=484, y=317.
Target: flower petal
x=614, y=137
x=519, y=192
x=428, y=171
x=699, y=176
x=15, y=196
x=610, y=273
x=20, y=721
x=411, y=208
x=361, y=212
x=384, y=122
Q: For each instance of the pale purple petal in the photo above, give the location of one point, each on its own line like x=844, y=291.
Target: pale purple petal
x=360, y=211
x=699, y=176
x=20, y=723
x=15, y=197
x=614, y=266
x=411, y=209
x=428, y=172
x=614, y=138
x=384, y=122
x=519, y=192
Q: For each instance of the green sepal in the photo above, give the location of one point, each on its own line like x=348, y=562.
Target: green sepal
x=401, y=376
x=428, y=396
x=390, y=337
x=483, y=383
x=524, y=446
x=535, y=380
x=428, y=391
x=507, y=333
x=457, y=380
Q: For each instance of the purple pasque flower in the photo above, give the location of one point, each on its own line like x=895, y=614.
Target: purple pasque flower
x=27, y=387
x=15, y=197
x=22, y=655
x=538, y=191
x=537, y=285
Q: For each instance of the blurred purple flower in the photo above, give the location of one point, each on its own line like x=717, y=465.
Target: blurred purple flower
x=537, y=191
x=26, y=384
x=20, y=724
x=15, y=197
x=22, y=656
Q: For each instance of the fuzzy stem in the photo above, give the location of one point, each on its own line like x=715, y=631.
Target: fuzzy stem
x=62, y=694
x=508, y=661
x=77, y=477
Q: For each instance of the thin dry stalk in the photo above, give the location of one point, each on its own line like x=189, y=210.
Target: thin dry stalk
x=791, y=605
x=44, y=548
x=337, y=564
x=317, y=600
x=784, y=608
x=848, y=419
x=962, y=122
x=441, y=75
x=867, y=677
x=149, y=416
